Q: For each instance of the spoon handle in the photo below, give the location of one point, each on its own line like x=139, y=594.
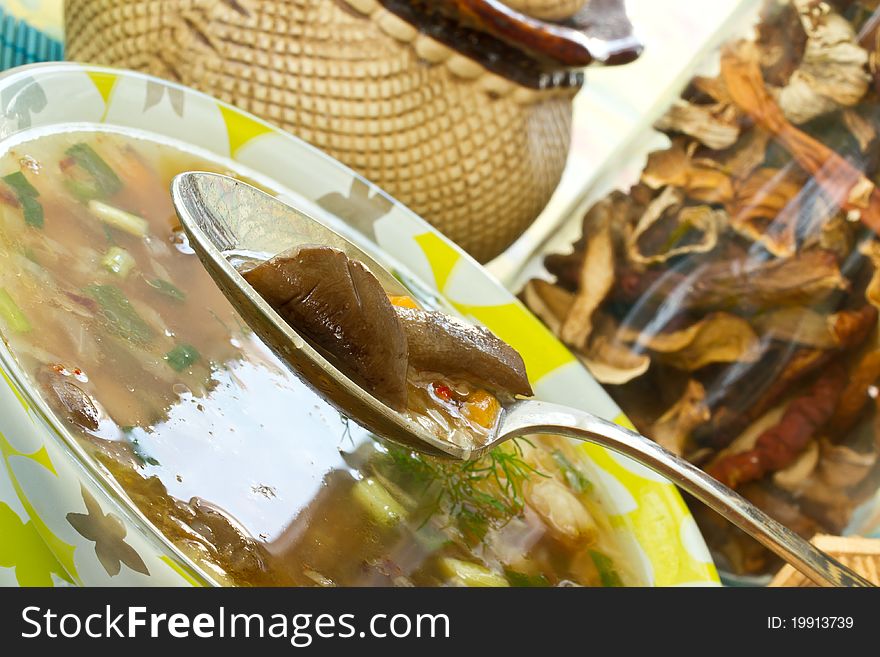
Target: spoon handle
x=529, y=417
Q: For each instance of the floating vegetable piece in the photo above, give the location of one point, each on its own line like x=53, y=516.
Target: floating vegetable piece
x=342, y=307
x=378, y=502
x=12, y=315
x=182, y=357
x=167, y=289
x=714, y=125
x=605, y=566
x=596, y=278
x=779, y=446
x=99, y=182
x=27, y=197
x=118, y=261
x=674, y=427
x=467, y=573
x=119, y=314
x=118, y=218
x=561, y=510
x=440, y=343
x=831, y=73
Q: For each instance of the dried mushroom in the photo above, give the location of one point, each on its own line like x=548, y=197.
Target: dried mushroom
x=832, y=72
x=714, y=125
x=718, y=338
x=674, y=427
x=736, y=322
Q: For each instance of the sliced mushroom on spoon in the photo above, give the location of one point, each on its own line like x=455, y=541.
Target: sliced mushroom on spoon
x=238, y=230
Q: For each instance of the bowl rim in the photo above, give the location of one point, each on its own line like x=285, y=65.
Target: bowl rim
x=97, y=474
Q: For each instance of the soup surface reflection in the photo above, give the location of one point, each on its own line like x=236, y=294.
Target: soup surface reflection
x=131, y=344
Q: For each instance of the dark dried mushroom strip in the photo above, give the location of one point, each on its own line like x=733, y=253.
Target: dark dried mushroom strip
x=780, y=445
x=440, y=343
x=337, y=303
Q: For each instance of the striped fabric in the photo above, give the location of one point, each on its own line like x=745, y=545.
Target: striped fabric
x=20, y=43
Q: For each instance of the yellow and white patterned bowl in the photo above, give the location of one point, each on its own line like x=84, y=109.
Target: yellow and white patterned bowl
x=46, y=481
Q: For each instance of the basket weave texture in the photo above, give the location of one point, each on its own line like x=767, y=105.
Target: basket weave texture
x=860, y=554
x=476, y=155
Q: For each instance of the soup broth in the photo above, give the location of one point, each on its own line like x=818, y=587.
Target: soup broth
x=247, y=471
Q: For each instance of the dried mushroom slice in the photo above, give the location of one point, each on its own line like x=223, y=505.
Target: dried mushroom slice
x=609, y=359
x=549, y=302
x=715, y=125
x=717, y=338
x=766, y=210
x=832, y=72
x=597, y=274
x=871, y=250
x=699, y=180
x=674, y=427
x=667, y=229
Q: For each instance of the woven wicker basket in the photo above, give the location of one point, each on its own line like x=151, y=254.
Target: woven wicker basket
x=470, y=142
x=860, y=554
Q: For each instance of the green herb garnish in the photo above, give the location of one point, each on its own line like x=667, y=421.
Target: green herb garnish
x=119, y=314
x=523, y=580
x=166, y=288
x=15, y=319
x=27, y=196
x=575, y=478
x=476, y=495
x=102, y=181
x=605, y=566
x=136, y=448
x=181, y=357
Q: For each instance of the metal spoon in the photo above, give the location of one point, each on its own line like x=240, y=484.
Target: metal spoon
x=225, y=218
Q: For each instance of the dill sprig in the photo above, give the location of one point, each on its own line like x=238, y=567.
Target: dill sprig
x=476, y=495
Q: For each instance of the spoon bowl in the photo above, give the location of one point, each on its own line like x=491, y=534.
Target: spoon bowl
x=226, y=218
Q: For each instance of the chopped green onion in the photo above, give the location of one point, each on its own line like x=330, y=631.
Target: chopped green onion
x=119, y=314
x=181, y=357
x=21, y=185
x=104, y=182
x=523, y=580
x=606, y=570
x=378, y=502
x=130, y=223
x=470, y=574
x=575, y=478
x=118, y=261
x=27, y=196
x=166, y=288
x=140, y=454
x=15, y=319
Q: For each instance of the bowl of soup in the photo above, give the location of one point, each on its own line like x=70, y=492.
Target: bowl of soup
x=147, y=436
